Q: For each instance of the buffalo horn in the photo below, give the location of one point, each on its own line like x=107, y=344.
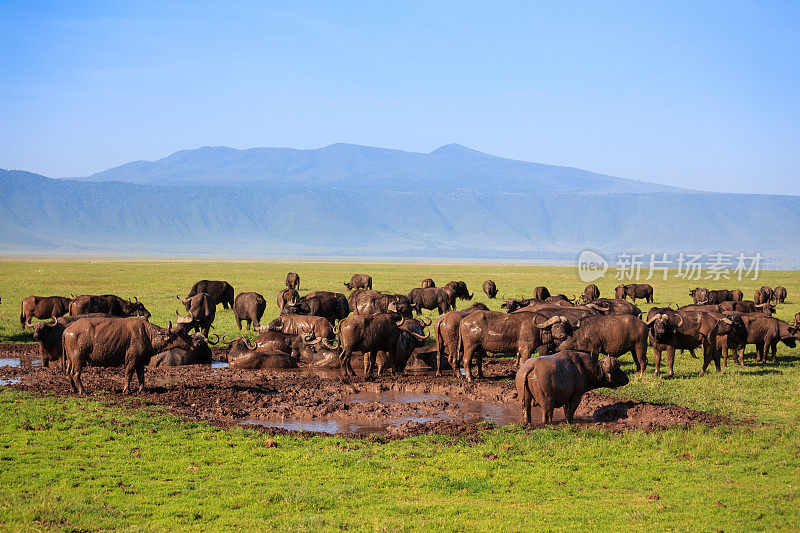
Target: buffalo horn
x=422, y=320
x=401, y=322
x=330, y=345
x=549, y=322
x=213, y=343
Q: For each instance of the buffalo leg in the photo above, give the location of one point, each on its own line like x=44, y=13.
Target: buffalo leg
x=670, y=361
x=140, y=377
x=657, y=362
x=468, y=352
x=570, y=408
x=479, y=361
x=527, y=399
x=130, y=369
x=344, y=362
x=239, y=323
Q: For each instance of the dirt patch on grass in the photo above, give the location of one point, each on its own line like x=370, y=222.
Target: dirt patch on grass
x=321, y=402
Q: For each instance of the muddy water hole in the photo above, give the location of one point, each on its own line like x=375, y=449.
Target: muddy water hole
x=317, y=401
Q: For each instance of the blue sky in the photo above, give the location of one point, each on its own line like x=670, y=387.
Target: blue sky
x=694, y=94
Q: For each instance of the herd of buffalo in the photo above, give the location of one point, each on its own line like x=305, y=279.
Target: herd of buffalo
x=325, y=329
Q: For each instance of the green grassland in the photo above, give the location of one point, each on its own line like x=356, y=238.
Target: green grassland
x=84, y=464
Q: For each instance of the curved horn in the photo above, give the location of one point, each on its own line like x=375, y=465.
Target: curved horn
x=247, y=342
x=703, y=302
x=422, y=320
x=226, y=342
x=420, y=337
x=681, y=322
x=762, y=305
x=54, y=322
x=401, y=322
x=213, y=343
x=135, y=299
x=727, y=320
x=336, y=329
x=330, y=345
x=549, y=322
x=655, y=317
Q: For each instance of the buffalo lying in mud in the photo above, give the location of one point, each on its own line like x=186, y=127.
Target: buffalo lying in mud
x=131, y=342
x=221, y=291
x=275, y=341
x=108, y=304
x=561, y=380
x=249, y=307
x=43, y=308
x=202, y=311
x=244, y=356
x=195, y=352
x=359, y=281
x=318, y=326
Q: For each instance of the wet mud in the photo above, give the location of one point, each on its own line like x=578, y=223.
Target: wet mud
x=319, y=401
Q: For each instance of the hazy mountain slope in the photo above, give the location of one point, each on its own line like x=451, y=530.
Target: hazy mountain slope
x=40, y=215
x=345, y=165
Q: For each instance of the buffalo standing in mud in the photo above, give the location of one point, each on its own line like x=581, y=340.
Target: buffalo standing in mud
x=249, y=307
x=562, y=379
x=447, y=336
x=108, y=304
x=369, y=335
x=221, y=291
x=43, y=308
x=49, y=335
x=359, y=281
x=131, y=342
x=202, y=311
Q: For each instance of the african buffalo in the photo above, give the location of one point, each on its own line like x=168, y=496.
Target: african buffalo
x=761, y=296
x=292, y=281
x=369, y=302
x=319, y=326
x=766, y=332
x=612, y=335
x=412, y=336
x=435, y=298
x=459, y=289
x=489, y=288
x=331, y=305
x=609, y=306
x=286, y=296
x=194, y=352
x=779, y=294
x=244, y=356
x=446, y=329
x=109, y=304
x=770, y=294
x=249, y=306
x=202, y=311
x=541, y=293
x=221, y=291
x=369, y=335
x=737, y=295
x=590, y=293
x=49, y=335
x=43, y=308
x=112, y=342
x=634, y=291
x=359, y=281
x=275, y=341
x=319, y=353
x=428, y=283
x=562, y=379
x=712, y=297
x=747, y=306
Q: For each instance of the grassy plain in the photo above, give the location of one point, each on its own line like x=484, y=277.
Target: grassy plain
x=85, y=464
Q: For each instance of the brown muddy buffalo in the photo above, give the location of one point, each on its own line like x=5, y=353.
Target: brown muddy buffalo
x=244, y=356
x=612, y=335
x=446, y=329
x=49, y=335
x=634, y=291
x=331, y=305
x=108, y=304
x=113, y=342
x=202, y=311
x=492, y=332
x=541, y=293
x=275, y=341
x=737, y=295
x=435, y=298
x=569, y=317
x=428, y=283
x=43, y=308
x=770, y=294
x=712, y=297
x=685, y=329
x=747, y=306
x=359, y=281
x=609, y=306
x=221, y=291
x=766, y=332
x=287, y=296
x=561, y=299
x=590, y=293
x=319, y=326
x=761, y=296
x=562, y=379
x=195, y=352
x=779, y=294
x=319, y=353
x=459, y=289
x=249, y=307
x=369, y=302
x=489, y=288
x=292, y=281
x=369, y=335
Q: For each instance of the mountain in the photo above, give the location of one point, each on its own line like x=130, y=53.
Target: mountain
x=449, y=167
x=309, y=217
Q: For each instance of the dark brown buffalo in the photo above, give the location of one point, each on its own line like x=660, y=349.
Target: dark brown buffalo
x=747, y=306
x=684, y=329
x=459, y=289
x=113, y=342
x=562, y=379
x=369, y=302
x=612, y=335
x=342, y=302
x=331, y=305
x=221, y=291
x=412, y=336
x=770, y=294
x=708, y=308
x=634, y=291
x=492, y=332
x=446, y=329
x=202, y=311
x=275, y=341
x=561, y=299
x=512, y=304
x=292, y=281
x=195, y=352
x=428, y=283
x=779, y=294
x=319, y=326
x=761, y=296
x=49, y=335
x=609, y=306
x=766, y=332
x=590, y=293
x=489, y=288
x=244, y=356
x=286, y=296
x=319, y=353
x=249, y=307
x=541, y=293
x=569, y=317
x=359, y=281
x=712, y=297
x=737, y=295
x=43, y=308
x=108, y=304
x=435, y=298
x=369, y=335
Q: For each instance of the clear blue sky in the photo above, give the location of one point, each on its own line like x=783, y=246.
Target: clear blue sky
x=695, y=94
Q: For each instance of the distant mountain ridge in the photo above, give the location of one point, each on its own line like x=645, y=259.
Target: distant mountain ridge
x=449, y=167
